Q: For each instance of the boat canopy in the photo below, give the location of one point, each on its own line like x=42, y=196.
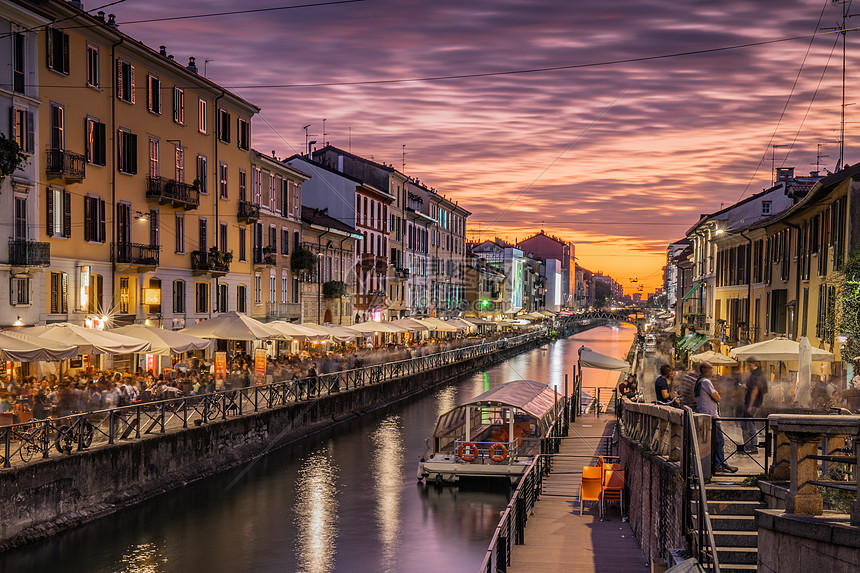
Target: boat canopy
x=534, y=398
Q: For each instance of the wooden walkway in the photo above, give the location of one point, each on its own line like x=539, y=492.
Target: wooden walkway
x=556, y=537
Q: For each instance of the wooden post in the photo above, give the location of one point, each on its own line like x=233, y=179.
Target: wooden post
x=468, y=423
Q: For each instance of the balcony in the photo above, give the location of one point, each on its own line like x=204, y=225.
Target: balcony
x=401, y=273
x=67, y=165
x=213, y=262
x=265, y=258
x=170, y=191
x=371, y=262
x=286, y=310
x=135, y=254
x=24, y=253
x=248, y=212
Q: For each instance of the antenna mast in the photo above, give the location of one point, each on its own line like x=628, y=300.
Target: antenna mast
x=403, y=158
x=842, y=28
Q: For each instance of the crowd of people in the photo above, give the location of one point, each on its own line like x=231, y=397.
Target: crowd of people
x=51, y=395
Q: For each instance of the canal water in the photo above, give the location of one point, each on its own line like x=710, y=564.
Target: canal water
x=344, y=500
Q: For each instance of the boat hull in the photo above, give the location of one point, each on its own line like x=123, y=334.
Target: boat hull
x=450, y=469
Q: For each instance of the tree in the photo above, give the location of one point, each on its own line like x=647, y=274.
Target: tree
x=602, y=294
x=848, y=299
x=11, y=157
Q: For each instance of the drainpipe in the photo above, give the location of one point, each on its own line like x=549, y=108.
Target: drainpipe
x=113, y=170
x=749, y=286
x=797, y=280
x=217, y=190
x=340, y=254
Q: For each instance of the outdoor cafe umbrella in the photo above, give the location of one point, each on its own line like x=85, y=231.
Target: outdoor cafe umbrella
x=590, y=359
x=19, y=347
x=411, y=324
x=461, y=324
x=715, y=358
x=290, y=329
x=804, y=373
x=88, y=340
x=232, y=326
x=371, y=326
x=164, y=342
x=342, y=333
x=778, y=349
x=439, y=325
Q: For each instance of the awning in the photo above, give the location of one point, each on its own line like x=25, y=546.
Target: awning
x=164, y=342
x=695, y=287
x=232, y=326
x=590, y=359
x=89, y=341
x=20, y=347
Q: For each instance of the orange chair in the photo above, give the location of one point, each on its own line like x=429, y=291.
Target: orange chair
x=613, y=489
x=590, y=486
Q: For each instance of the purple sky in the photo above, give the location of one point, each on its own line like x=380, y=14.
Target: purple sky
x=621, y=158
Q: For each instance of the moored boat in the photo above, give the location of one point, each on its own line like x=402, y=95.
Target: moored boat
x=494, y=435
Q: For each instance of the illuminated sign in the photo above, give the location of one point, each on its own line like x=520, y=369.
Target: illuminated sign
x=84, y=282
x=152, y=296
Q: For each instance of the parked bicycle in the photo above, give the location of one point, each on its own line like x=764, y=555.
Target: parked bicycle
x=80, y=432
x=33, y=441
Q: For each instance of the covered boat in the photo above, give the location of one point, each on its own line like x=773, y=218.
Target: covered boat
x=496, y=434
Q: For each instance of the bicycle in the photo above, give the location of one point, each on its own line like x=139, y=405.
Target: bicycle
x=32, y=441
x=80, y=432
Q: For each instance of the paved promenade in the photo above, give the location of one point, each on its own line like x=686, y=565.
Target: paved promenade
x=556, y=537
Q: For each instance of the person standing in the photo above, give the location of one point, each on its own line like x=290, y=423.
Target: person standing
x=755, y=391
x=708, y=402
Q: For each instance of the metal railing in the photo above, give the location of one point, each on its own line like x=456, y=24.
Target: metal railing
x=68, y=164
x=749, y=440
x=511, y=528
x=40, y=438
x=24, y=253
x=699, y=532
x=135, y=254
x=248, y=212
x=207, y=261
x=284, y=309
x=177, y=192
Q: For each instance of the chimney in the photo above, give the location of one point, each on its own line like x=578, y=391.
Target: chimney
x=101, y=15
x=77, y=4
x=170, y=57
x=162, y=50
x=112, y=21
x=192, y=66
x=340, y=163
x=784, y=173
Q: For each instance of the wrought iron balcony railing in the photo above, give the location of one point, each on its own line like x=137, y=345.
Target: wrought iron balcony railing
x=60, y=163
x=264, y=258
x=171, y=191
x=284, y=310
x=248, y=212
x=24, y=253
x=135, y=254
x=206, y=261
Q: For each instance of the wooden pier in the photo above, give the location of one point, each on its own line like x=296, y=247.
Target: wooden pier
x=556, y=537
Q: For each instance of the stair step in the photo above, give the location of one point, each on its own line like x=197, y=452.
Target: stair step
x=725, y=507
x=737, y=567
x=732, y=523
x=736, y=538
x=732, y=493
x=744, y=555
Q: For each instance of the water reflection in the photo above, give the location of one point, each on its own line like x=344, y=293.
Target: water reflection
x=316, y=513
x=387, y=471
x=143, y=558
x=446, y=399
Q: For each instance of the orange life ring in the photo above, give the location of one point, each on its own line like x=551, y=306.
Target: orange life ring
x=468, y=457
x=500, y=457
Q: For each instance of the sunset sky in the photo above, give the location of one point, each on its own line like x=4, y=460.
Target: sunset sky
x=621, y=157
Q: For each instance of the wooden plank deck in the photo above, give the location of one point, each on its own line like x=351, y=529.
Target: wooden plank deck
x=556, y=537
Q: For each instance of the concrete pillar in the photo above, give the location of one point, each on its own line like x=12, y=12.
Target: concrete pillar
x=832, y=447
x=855, y=507
x=781, y=465
x=803, y=497
x=677, y=435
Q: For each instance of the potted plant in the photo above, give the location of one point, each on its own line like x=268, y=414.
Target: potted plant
x=334, y=289
x=11, y=156
x=303, y=260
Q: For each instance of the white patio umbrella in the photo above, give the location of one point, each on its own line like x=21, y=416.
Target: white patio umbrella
x=777, y=349
x=19, y=347
x=290, y=329
x=342, y=333
x=714, y=358
x=411, y=324
x=318, y=330
x=590, y=359
x=232, y=326
x=461, y=324
x=371, y=326
x=804, y=373
x=88, y=340
x=439, y=325
x=164, y=342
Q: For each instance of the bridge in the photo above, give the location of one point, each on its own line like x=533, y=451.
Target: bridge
x=629, y=315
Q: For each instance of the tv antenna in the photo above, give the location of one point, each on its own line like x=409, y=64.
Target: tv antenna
x=818, y=157
x=403, y=158
x=308, y=142
x=773, y=161
x=842, y=28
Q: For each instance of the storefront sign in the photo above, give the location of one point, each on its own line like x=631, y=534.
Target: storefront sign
x=152, y=296
x=260, y=366
x=220, y=366
x=150, y=363
x=178, y=323
x=84, y=285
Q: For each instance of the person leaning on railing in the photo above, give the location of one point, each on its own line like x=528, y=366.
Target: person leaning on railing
x=708, y=402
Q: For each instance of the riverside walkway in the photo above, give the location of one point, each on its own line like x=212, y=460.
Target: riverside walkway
x=557, y=538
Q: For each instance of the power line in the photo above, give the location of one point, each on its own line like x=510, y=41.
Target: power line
x=237, y=12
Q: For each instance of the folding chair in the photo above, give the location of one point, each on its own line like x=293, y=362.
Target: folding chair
x=590, y=486
x=613, y=489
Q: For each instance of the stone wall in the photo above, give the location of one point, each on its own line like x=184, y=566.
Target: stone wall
x=788, y=542
x=48, y=496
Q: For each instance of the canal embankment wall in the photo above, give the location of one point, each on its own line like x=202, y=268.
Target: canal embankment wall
x=45, y=497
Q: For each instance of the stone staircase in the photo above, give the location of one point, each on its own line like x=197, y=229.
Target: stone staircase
x=732, y=511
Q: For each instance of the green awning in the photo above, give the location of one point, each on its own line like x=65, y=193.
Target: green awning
x=697, y=343
x=695, y=287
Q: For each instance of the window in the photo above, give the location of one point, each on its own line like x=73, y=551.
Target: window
x=285, y=288
x=285, y=197
x=127, y=151
x=19, y=291
x=201, y=298
x=58, y=127
x=93, y=66
x=96, y=142
x=153, y=157
x=59, y=293
x=222, y=237
x=59, y=216
x=124, y=295
x=58, y=50
x=258, y=287
x=221, y=297
x=20, y=228
x=243, y=185
x=154, y=228
x=241, y=298
x=201, y=116
x=178, y=297
x=125, y=81
x=242, y=247
x=258, y=185
x=243, y=137
x=94, y=219
x=296, y=240
x=201, y=174
x=285, y=241
x=272, y=190
x=273, y=283
x=94, y=302
x=18, y=59
x=179, y=168
x=179, y=105
x=222, y=181
x=765, y=207
x=179, y=232
x=153, y=94
x=22, y=129
x=273, y=238
x=202, y=242
x=224, y=125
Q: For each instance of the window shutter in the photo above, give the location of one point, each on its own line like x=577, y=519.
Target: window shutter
x=28, y=143
x=131, y=94
x=13, y=291
x=99, y=289
x=12, y=131
x=65, y=293
x=102, y=233
x=49, y=200
x=88, y=219
x=132, y=152
x=119, y=79
x=100, y=143
x=50, y=37
x=67, y=215
x=65, y=53
x=149, y=101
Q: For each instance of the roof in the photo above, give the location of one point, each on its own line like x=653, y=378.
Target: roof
x=354, y=156
x=317, y=217
x=533, y=398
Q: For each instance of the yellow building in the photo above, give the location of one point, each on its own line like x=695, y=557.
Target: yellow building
x=144, y=161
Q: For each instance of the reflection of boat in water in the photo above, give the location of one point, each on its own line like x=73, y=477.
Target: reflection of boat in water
x=496, y=434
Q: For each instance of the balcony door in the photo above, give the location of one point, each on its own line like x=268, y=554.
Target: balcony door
x=21, y=218
x=58, y=127
x=123, y=223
